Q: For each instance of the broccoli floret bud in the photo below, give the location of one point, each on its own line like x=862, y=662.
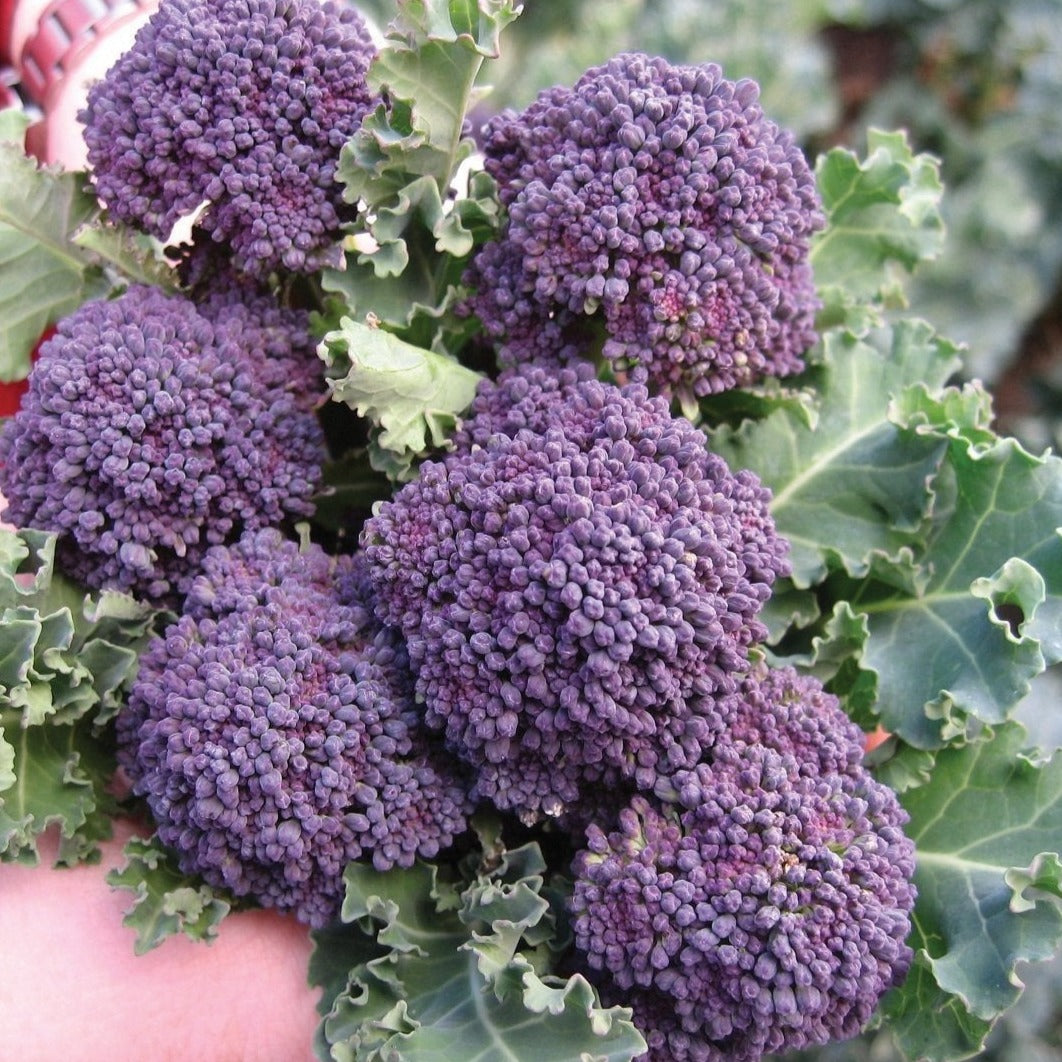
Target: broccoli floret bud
x=766, y=911
x=285, y=349
x=660, y=202
x=522, y=397
x=259, y=569
x=791, y=713
x=242, y=105
x=154, y=428
x=254, y=571
x=275, y=740
x=569, y=590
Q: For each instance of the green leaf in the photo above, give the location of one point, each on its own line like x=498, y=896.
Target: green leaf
x=987, y=827
x=61, y=652
x=61, y=774
x=412, y=395
x=982, y=619
x=964, y=412
x=756, y=402
x=7, y=763
x=930, y=1025
x=392, y=301
x=165, y=901
x=833, y=658
x=454, y=227
x=338, y=948
x=417, y=306
x=883, y=218
x=66, y=661
x=351, y=488
x=851, y=483
x=454, y=983
x=424, y=208
x=14, y=122
x=136, y=256
x=19, y=631
x=43, y=274
x=905, y=767
x=426, y=70
x=786, y=608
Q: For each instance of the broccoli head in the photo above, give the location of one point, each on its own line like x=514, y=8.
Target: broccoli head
x=241, y=105
x=273, y=732
x=655, y=204
x=568, y=592
x=154, y=428
x=765, y=910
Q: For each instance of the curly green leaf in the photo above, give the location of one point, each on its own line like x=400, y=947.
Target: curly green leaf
x=60, y=776
x=454, y=982
x=426, y=69
x=45, y=275
x=986, y=827
x=982, y=620
x=883, y=219
x=412, y=395
x=849, y=483
x=164, y=901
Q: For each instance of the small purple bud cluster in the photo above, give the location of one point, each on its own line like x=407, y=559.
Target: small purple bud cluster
x=658, y=205
x=792, y=714
x=242, y=105
x=154, y=428
x=764, y=910
x=570, y=592
x=273, y=733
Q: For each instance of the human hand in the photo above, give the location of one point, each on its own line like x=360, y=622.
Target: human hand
x=72, y=988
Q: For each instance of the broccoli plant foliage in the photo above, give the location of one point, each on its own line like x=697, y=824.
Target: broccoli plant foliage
x=67, y=662
x=444, y=966
x=524, y=640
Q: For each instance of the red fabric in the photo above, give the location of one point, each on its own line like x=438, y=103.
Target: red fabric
x=7, y=19
x=10, y=397
x=11, y=393
x=65, y=31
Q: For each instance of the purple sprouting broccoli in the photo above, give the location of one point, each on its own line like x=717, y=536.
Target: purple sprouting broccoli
x=791, y=713
x=256, y=571
x=154, y=428
x=274, y=734
x=241, y=105
x=765, y=910
x=278, y=336
x=571, y=591
x=525, y=396
x=656, y=207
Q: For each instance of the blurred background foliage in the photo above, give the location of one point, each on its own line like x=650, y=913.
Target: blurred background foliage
x=979, y=84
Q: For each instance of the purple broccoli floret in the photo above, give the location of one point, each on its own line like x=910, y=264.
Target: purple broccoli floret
x=522, y=397
x=656, y=207
x=767, y=910
x=242, y=105
x=274, y=734
x=791, y=713
x=254, y=571
x=154, y=428
x=568, y=592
